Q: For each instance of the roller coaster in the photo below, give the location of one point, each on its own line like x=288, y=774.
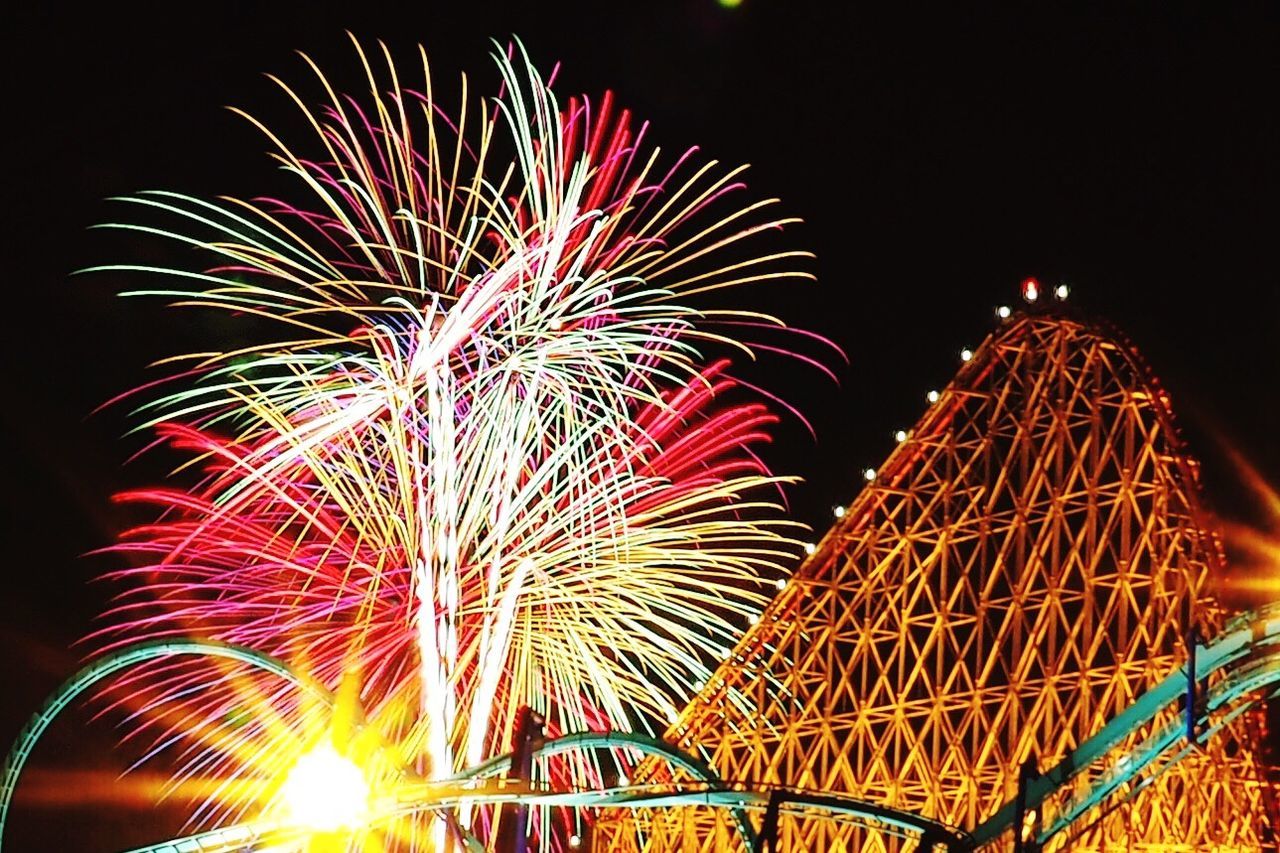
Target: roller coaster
x=1016, y=576
x=1220, y=681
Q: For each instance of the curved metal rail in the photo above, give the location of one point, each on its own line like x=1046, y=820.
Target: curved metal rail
x=585, y=741
x=123, y=658
x=737, y=798
x=1247, y=657
x=477, y=785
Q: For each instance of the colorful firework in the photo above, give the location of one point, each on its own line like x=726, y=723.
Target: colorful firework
x=489, y=459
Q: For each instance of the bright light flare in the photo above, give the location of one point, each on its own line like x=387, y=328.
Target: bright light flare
x=326, y=792
x=1254, y=544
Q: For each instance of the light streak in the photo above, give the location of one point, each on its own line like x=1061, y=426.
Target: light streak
x=491, y=456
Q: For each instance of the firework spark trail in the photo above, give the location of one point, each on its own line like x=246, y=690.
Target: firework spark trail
x=487, y=463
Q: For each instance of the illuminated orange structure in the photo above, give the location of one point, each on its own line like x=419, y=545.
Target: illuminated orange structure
x=1027, y=561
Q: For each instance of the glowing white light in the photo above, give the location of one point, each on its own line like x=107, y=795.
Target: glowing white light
x=575, y=841
x=1061, y=292
x=325, y=791
x=966, y=355
x=1029, y=824
x=623, y=781
x=869, y=474
x=838, y=512
x=698, y=685
x=780, y=583
x=933, y=396
x=809, y=548
x=900, y=436
x=1031, y=290
x=752, y=618
x=1003, y=312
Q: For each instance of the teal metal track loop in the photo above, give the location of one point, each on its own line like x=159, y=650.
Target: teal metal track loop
x=1245, y=657
x=585, y=741
x=97, y=670
x=1243, y=662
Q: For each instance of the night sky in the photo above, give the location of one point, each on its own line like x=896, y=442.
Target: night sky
x=937, y=158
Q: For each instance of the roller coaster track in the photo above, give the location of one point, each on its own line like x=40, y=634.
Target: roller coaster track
x=1232, y=674
x=109, y=664
x=477, y=786
x=1244, y=660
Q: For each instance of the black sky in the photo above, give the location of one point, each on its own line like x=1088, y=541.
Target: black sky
x=937, y=157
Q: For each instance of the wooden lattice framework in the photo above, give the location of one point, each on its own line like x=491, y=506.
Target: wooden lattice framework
x=1023, y=565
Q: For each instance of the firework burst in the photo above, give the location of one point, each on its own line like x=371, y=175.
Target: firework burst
x=487, y=460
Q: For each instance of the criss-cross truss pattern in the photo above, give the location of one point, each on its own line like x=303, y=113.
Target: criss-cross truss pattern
x=1024, y=565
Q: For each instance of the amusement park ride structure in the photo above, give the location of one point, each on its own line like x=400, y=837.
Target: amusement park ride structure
x=995, y=646
x=1023, y=568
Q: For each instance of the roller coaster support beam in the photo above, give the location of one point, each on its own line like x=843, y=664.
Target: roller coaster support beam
x=1194, y=641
